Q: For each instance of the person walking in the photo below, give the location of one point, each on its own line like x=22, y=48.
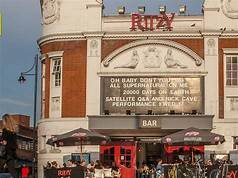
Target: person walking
x=9, y=140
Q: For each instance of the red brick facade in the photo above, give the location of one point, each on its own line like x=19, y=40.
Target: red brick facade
x=223, y=43
x=74, y=70
x=73, y=78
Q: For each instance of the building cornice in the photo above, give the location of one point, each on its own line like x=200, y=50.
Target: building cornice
x=171, y=74
x=133, y=35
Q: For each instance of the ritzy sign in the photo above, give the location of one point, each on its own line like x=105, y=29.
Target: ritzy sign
x=151, y=22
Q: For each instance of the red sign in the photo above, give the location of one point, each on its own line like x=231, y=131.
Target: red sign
x=64, y=173
x=151, y=22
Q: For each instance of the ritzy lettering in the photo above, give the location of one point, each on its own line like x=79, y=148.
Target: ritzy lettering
x=151, y=22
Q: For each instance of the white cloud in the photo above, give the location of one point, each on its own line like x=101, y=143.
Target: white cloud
x=14, y=102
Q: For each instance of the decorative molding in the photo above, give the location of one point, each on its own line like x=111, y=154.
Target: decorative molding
x=131, y=35
x=167, y=73
x=43, y=57
x=55, y=54
x=230, y=50
x=230, y=8
x=212, y=9
x=94, y=45
x=211, y=47
x=109, y=35
x=60, y=37
x=198, y=60
x=50, y=11
x=132, y=63
x=93, y=5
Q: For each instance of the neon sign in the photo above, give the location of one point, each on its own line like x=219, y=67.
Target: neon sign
x=152, y=22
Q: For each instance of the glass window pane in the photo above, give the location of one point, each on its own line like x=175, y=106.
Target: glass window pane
x=112, y=150
x=234, y=66
x=234, y=60
x=128, y=152
x=228, y=82
x=122, y=150
x=234, y=75
x=128, y=158
x=234, y=81
x=228, y=60
x=228, y=75
x=228, y=66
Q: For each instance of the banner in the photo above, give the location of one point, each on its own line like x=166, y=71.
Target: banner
x=72, y=172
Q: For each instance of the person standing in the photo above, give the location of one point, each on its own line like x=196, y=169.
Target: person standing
x=9, y=139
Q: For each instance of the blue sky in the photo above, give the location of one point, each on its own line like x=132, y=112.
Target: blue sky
x=22, y=28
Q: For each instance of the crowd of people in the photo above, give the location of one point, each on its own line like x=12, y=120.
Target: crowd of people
x=181, y=168
x=92, y=170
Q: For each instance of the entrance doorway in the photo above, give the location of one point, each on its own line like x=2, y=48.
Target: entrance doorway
x=148, y=153
x=123, y=154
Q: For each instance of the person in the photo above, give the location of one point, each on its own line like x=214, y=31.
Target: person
x=54, y=164
x=98, y=170
x=9, y=139
x=70, y=163
x=25, y=171
x=159, y=168
x=90, y=168
x=115, y=170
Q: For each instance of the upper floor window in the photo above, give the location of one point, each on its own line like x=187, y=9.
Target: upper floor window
x=56, y=71
x=232, y=70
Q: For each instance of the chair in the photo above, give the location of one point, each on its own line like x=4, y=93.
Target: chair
x=99, y=173
x=108, y=172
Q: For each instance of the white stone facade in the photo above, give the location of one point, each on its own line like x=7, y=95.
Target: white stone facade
x=82, y=19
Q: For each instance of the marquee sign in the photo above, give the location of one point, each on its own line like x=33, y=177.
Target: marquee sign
x=159, y=94
x=151, y=22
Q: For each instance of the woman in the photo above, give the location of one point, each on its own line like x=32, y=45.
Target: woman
x=98, y=170
x=9, y=139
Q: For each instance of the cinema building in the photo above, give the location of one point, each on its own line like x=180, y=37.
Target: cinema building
x=136, y=77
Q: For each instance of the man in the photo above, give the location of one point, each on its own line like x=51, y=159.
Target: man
x=9, y=140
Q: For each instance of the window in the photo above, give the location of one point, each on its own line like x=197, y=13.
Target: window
x=232, y=70
x=56, y=72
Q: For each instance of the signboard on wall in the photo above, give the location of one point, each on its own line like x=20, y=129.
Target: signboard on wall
x=159, y=94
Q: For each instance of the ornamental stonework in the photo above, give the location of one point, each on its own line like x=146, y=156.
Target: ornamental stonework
x=50, y=11
x=230, y=8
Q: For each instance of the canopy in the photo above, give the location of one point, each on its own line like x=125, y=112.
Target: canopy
x=193, y=136
x=77, y=137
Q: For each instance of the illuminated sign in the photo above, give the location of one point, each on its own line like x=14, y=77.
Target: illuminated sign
x=159, y=94
x=151, y=22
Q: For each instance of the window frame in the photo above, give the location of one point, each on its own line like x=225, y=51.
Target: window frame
x=56, y=71
x=231, y=70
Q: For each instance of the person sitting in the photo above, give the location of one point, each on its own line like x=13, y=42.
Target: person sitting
x=107, y=171
x=115, y=170
x=98, y=170
x=70, y=163
x=54, y=164
x=90, y=168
